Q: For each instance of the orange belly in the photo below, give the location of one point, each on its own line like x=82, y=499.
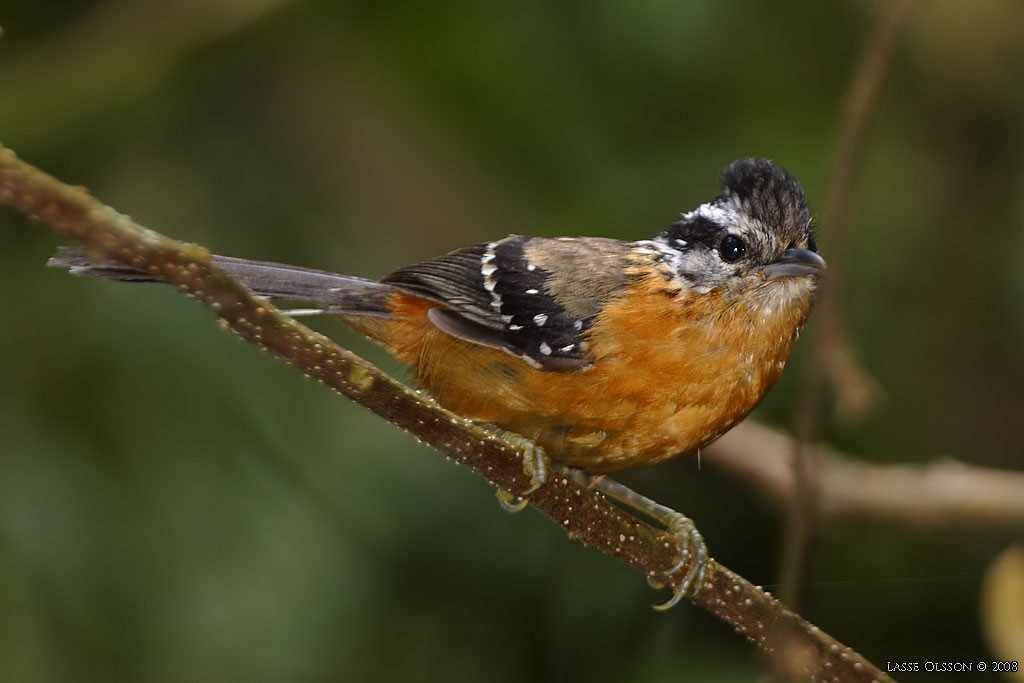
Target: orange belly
x=666, y=379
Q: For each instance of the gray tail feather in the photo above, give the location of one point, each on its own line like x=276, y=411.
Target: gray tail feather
x=329, y=292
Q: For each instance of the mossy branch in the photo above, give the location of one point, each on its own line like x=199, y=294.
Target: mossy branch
x=794, y=647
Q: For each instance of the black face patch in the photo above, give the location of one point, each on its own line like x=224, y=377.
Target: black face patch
x=698, y=231
x=494, y=296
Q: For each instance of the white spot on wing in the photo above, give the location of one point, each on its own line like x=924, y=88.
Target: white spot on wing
x=532, y=362
x=540, y=319
x=488, y=270
x=545, y=349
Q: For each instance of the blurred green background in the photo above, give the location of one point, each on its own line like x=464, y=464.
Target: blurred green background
x=175, y=506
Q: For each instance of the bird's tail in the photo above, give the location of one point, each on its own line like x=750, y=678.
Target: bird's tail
x=323, y=291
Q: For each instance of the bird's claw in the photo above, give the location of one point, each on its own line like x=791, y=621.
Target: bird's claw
x=510, y=502
x=535, y=466
x=693, y=556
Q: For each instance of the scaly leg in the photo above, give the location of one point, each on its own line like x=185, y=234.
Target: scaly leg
x=694, y=553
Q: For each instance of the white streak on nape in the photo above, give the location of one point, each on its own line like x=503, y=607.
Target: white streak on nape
x=660, y=245
x=675, y=262
x=648, y=247
x=540, y=319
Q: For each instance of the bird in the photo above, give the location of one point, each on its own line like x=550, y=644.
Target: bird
x=606, y=354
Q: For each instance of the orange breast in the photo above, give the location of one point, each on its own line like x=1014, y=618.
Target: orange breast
x=668, y=377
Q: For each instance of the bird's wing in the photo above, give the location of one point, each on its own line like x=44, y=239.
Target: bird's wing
x=535, y=298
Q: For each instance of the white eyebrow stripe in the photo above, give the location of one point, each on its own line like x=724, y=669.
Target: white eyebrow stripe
x=714, y=212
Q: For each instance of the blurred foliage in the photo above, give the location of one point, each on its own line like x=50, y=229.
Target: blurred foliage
x=1002, y=605
x=175, y=506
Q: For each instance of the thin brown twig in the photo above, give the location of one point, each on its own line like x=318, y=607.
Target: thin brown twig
x=855, y=390
x=583, y=514
x=947, y=495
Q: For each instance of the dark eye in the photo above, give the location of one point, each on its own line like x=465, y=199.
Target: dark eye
x=732, y=248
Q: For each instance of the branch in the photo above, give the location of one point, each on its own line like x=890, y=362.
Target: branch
x=796, y=646
x=856, y=391
x=941, y=495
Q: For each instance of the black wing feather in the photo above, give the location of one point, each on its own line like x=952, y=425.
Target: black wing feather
x=454, y=280
x=493, y=296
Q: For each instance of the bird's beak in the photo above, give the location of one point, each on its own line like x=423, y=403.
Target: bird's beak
x=795, y=263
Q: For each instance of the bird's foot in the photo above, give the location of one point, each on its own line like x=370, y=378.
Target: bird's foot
x=693, y=558
x=535, y=466
x=693, y=553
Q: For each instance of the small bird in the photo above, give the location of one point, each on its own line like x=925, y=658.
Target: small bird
x=607, y=354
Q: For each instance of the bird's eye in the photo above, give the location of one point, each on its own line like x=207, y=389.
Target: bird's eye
x=732, y=248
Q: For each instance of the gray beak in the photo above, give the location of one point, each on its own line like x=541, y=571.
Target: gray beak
x=795, y=263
